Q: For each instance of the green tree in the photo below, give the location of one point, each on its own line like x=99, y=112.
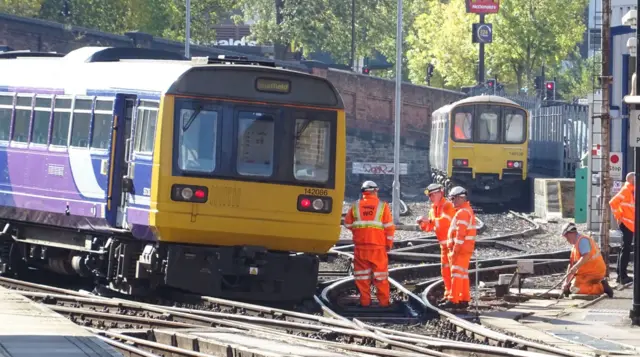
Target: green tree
x=325, y=25
x=442, y=36
x=530, y=33
x=27, y=8
x=575, y=77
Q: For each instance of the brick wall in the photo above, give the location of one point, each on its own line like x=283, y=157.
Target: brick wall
x=370, y=107
x=369, y=102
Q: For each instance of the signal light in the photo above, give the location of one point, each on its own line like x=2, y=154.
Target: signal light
x=365, y=70
x=460, y=162
x=550, y=89
x=189, y=193
x=314, y=204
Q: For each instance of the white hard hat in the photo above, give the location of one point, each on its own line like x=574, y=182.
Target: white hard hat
x=457, y=191
x=369, y=186
x=569, y=228
x=434, y=187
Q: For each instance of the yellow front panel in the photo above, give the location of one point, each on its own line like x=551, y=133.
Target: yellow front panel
x=240, y=212
x=487, y=158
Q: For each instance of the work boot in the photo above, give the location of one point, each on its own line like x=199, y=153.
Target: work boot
x=463, y=304
x=448, y=305
x=607, y=288
x=566, y=291
x=443, y=300
x=626, y=280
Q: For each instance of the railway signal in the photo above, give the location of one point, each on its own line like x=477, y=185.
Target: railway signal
x=491, y=84
x=550, y=90
x=365, y=70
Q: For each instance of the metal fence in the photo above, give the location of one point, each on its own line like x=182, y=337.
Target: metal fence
x=558, y=134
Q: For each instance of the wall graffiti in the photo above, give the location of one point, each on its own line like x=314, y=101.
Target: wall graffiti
x=376, y=168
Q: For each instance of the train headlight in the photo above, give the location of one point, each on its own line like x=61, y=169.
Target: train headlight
x=314, y=204
x=189, y=193
x=318, y=204
x=186, y=193
x=514, y=164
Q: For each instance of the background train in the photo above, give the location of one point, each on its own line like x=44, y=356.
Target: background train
x=143, y=169
x=481, y=143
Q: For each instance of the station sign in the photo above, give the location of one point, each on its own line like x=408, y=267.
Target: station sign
x=634, y=128
x=482, y=33
x=615, y=165
x=483, y=6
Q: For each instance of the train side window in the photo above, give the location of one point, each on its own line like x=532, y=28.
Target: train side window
x=102, y=121
x=41, y=118
x=6, y=111
x=255, y=144
x=198, y=140
x=312, y=149
x=514, y=126
x=146, y=127
x=22, y=120
x=80, y=123
x=462, y=126
x=61, y=121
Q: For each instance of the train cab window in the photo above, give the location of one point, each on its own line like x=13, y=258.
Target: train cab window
x=463, y=125
x=514, y=125
x=198, y=140
x=255, y=144
x=41, y=118
x=488, y=123
x=146, y=127
x=61, y=121
x=22, y=120
x=80, y=123
x=312, y=150
x=6, y=111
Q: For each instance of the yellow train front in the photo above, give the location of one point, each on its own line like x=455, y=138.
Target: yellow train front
x=221, y=177
x=480, y=143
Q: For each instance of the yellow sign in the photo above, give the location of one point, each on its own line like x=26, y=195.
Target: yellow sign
x=273, y=85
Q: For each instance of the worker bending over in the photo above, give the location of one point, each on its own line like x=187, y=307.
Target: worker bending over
x=623, y=207
x=461, y=243
x=371, y=223
x=439, y=220
x=585, y=265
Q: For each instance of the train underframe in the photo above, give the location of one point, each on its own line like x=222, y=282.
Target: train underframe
x=136, y=267
x=488, y=188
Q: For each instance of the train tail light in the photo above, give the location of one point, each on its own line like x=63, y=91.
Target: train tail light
x=514, y=164
x=314, y=204
x=461, y=162
x=189, y=193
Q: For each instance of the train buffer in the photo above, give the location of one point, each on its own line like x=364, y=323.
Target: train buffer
x=29, y=330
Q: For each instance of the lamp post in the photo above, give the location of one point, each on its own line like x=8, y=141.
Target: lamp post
x=187, y=31
x=398, y=111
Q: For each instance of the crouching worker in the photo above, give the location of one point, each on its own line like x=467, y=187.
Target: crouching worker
x=585, y=265
x=371, y=223
x=439, y=219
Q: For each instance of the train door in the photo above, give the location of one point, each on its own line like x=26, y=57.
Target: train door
x=121, y=186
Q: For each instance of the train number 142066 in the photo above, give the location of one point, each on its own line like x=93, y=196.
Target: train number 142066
x=316, y=192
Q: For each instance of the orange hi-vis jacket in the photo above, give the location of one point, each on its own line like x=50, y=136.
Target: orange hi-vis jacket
x=440, y=217
x=462, y=232
x=371, y=222
x=623, y=206
x=595, y=265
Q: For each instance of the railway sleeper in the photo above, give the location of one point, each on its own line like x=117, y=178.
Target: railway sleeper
x=119, y=263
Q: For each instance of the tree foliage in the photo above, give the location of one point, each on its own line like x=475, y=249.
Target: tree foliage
x=162, y=18
x=442, y=36
x=325, y=25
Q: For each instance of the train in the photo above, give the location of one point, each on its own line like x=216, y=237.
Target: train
x=481, y=143
x=142, y=169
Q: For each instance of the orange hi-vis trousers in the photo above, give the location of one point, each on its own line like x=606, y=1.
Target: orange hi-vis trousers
x=372, y=261
x=587, y=285
x=445, y=270
x=460, y=289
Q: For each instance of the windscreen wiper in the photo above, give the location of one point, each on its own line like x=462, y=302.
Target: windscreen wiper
x=193, y=116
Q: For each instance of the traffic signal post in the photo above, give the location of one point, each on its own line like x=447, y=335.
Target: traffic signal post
x=634, y=141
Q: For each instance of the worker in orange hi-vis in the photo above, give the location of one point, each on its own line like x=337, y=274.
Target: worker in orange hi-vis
x=623, y=207
x=586, y=265
x=371, y=223
x=439, y=219
x=461, y=243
